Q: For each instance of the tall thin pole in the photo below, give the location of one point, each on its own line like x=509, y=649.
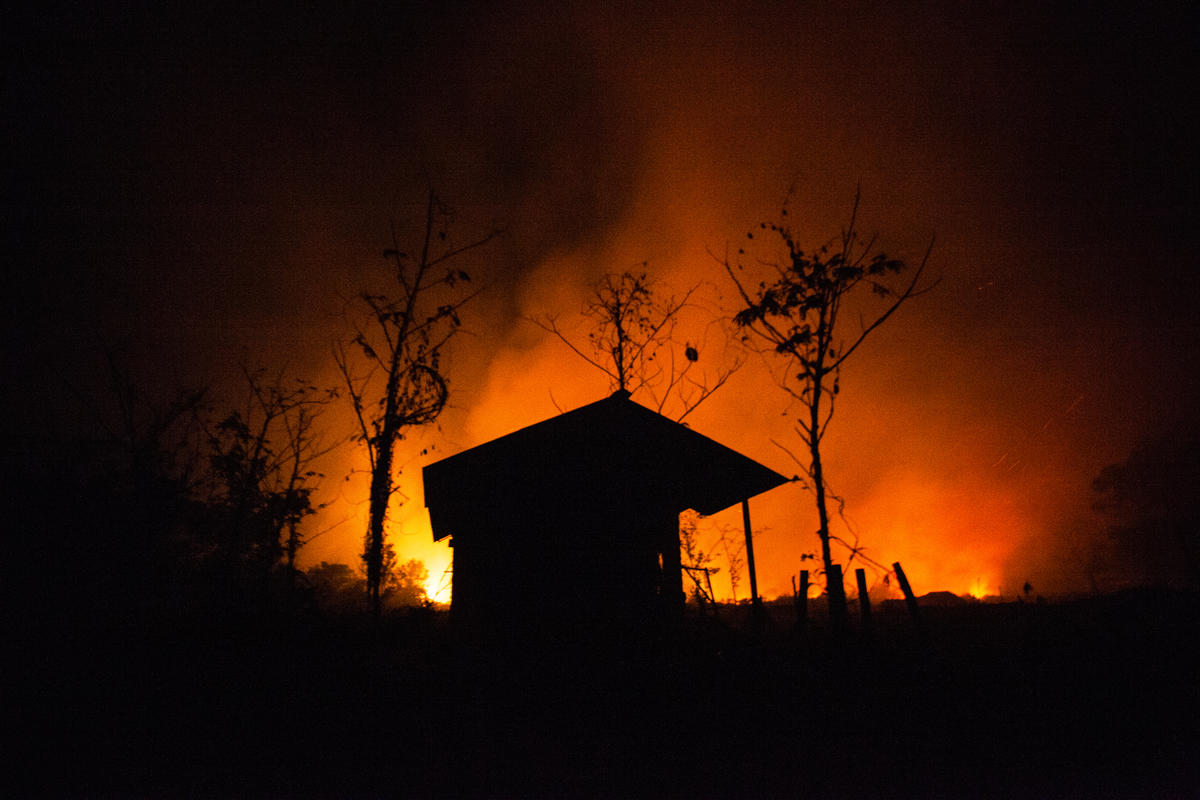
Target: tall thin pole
x=750, y=554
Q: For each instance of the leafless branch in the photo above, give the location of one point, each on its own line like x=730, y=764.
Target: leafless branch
x=550, y=325
x=909, y=292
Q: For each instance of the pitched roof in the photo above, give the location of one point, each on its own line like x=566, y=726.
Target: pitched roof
x=610, y=451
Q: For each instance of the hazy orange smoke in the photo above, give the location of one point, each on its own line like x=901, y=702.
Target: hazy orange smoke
x=969, y=428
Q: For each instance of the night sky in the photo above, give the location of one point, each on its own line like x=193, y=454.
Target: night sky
x=207, y=188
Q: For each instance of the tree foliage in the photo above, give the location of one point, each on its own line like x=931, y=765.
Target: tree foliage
x=1152, y=501
x=392, y=363
x=116, y=513
x=339, y=588
x=163, y=508
x=262, y=458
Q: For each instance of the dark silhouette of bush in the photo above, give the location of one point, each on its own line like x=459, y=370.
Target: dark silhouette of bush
x=1152, y=500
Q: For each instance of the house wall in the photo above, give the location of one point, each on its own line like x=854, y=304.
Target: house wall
x=594, y=566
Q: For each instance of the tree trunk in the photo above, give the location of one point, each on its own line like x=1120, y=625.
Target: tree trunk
x=822, y=512
x=381, y=490
x=834, y=594
x=381, y=474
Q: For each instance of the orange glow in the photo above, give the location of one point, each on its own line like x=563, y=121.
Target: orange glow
x=979, y=589
x=915, y=492
x=943, y=465
x=963, y=503
x=341, y=524
x=945, y=536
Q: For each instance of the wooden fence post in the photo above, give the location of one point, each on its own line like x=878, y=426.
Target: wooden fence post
x=802, y=600
x=835, y=591
x=913, y=609
x=864, y=600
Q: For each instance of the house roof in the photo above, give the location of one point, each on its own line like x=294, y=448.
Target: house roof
x=610, y=452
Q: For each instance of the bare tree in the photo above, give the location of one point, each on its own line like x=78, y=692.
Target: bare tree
x=399, y=383
x=263, y=456
x=695, y=561
x=158, y=439
x=734, y=548
x=124, y=491
x=795, y=315
x=633, y=339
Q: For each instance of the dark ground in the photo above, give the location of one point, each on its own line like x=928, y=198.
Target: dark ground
x=1092, y=698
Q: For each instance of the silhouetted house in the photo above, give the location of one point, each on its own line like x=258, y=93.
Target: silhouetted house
x=579, y=515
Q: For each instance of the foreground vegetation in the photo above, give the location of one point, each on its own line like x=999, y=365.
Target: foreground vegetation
x=1083, y=698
